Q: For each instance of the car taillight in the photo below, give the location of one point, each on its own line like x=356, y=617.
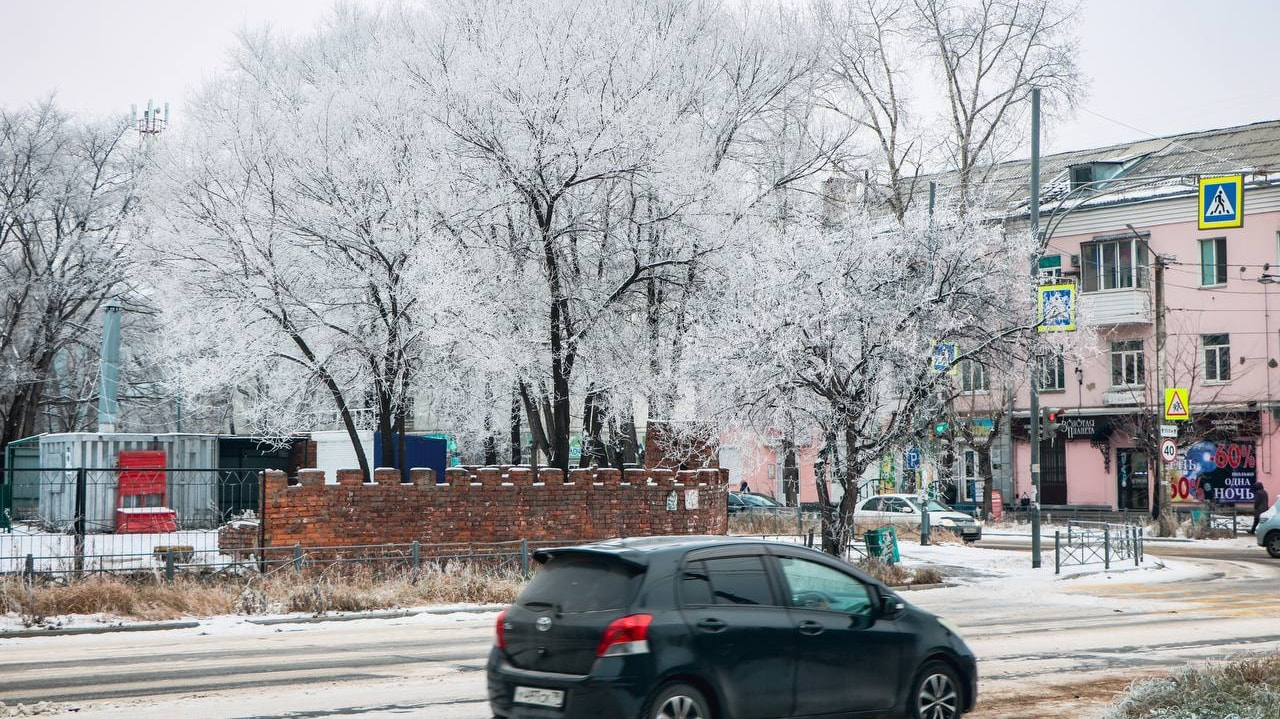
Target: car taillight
x=628, y=635
x=501, y=638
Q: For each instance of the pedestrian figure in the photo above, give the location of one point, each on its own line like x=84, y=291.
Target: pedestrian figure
x=1219, y=206
x=1261, y=503
x=744, y=487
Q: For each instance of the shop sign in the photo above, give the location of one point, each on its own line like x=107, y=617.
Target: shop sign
x=1077, y=427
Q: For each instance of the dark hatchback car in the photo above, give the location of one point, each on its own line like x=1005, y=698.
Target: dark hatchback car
x=719, y=628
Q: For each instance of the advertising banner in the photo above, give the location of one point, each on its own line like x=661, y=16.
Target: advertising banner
x=1221, y=472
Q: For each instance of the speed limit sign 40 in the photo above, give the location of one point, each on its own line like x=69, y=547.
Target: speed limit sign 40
x=1168, y=451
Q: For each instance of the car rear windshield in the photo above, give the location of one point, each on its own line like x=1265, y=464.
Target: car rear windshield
x=582, y=583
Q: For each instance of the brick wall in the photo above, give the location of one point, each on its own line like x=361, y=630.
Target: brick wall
x=489, y=504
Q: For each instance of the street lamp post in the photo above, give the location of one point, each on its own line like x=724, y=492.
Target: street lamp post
x=1162, y=500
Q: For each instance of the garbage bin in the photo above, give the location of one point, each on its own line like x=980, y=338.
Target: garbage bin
x=882, y=544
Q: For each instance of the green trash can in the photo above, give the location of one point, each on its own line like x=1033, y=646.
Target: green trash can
x=882, y=544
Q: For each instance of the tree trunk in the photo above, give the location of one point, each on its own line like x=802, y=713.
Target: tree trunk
x=628, y=441
x=790, y=474
x=594, y=450
x=516, y=439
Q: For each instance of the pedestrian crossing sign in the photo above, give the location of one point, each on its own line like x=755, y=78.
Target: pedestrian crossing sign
x=1177, y=405
x=1221, y=202
x=1056, y=308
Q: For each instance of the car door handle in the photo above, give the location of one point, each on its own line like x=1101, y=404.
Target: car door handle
x=712, y=625
x=810, y=627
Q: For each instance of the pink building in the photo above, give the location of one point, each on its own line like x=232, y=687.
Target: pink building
x=1180, y=297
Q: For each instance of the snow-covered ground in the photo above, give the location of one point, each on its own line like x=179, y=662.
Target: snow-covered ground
x=51, y=552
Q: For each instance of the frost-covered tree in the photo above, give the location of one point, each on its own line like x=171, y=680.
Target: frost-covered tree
x=604, y=148
x=989, y=55
x=67, y=192
x=943, y=84
x=300, y=245
x=830, y=328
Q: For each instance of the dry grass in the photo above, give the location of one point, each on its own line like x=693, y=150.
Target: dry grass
x=896, y=575
x=353, y=588
x=771, y=523
x=145, y=598
x=1247, y=689
x=1202, y=530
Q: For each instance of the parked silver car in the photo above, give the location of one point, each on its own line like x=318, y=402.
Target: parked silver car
x=905, y=509
x=1268, y=531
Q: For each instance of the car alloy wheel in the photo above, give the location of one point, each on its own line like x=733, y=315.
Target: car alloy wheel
x=937, y=693
x=680, y=701
x=1273, y=544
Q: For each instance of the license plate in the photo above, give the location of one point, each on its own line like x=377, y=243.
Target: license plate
x=553, y=698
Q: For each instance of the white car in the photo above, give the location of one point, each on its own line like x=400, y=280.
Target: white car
x=1268, y=531
x=904, y=510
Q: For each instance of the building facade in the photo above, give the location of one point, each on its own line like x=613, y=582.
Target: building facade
x=1177, y=284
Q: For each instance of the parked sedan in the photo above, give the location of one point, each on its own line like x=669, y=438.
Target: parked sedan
x=905, y=509
x=739, y=502
x=719, y=628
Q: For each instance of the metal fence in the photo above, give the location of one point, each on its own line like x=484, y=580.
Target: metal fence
x=172, y=560
x=1096, y=543
x=1225, y=519
x=56, y=499
x=1229, y=518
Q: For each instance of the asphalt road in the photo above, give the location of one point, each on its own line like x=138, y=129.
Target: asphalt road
x=1063, y=654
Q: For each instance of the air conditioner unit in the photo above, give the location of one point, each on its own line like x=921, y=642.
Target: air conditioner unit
x=1075, y=260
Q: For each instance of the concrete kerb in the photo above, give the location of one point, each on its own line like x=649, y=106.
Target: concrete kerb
x=67, y=631
x=381, y=614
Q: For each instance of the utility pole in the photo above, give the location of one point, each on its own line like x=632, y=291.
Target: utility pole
x=1034, y=404
x=1161, y=504
x=1160, y=501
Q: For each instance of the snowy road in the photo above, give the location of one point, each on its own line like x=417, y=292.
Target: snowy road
x=1047, y=647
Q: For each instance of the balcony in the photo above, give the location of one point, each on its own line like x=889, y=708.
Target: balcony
x=1116, y=307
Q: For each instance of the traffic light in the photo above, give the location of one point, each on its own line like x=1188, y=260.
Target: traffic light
x=1050, y=421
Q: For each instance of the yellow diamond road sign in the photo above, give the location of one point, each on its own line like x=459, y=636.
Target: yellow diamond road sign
x=1176, y=404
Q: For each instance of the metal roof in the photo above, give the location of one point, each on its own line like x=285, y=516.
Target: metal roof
x=1168, y=162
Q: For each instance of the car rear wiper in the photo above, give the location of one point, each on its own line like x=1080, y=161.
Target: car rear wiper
x=554, y=606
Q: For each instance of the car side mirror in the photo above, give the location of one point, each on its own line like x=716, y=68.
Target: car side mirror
x=891, y=605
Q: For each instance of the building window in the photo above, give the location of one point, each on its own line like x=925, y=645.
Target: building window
x=1127, y=366
x=1213, y=262
x=1217, y=357
x=1052, y=376
x=1114, y=265
x=973, y=377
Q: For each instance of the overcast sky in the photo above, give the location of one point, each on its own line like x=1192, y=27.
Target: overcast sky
x=1156, y=67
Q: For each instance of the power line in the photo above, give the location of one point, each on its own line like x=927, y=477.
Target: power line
x=1153, y=136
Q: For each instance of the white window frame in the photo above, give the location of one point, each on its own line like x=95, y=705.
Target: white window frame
x=973, y=377
x=1217, y=357
x=1052, y=367
x=1113, y=264
x=1217, y=265
x=1128, y=363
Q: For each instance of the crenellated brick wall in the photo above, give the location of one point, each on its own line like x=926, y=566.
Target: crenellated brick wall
x=489, y=504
